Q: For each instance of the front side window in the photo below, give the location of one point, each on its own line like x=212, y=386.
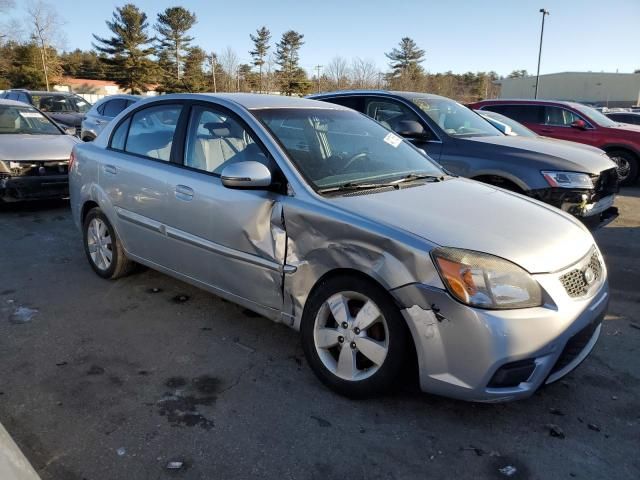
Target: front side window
x=389, y=113
x=15, y=120
x=594, y=115
x=216, y=139
x=455, y=119
x=341, y=147
x=559, y=117
x=113, y=107
x=152, y=130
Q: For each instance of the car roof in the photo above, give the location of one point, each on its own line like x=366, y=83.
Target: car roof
x=255, y=101
x=531, y=101
x=14, y=103
x=41, y=92
x=384, y=93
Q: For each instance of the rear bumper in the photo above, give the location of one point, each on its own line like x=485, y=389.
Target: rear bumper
x=16, y=189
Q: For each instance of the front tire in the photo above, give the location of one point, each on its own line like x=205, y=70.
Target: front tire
x=103, y=248
x=353, y=336
x=627, y=164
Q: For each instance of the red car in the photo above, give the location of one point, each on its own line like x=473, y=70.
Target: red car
x=577, y=123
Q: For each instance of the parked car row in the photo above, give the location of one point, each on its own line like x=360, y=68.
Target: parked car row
x=315, y=215
x=577, y=123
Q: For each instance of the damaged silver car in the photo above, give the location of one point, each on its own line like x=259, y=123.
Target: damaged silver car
x=316, y=216
x=34, y=154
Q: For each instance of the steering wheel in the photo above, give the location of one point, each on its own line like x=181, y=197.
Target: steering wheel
x=355, y=158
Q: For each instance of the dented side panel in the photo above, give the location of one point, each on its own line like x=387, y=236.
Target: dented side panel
x=321, y=239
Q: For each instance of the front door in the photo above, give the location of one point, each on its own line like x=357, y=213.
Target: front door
x=232, y=240
x=557, y=124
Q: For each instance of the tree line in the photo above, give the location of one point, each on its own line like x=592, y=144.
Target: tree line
x=139, y=54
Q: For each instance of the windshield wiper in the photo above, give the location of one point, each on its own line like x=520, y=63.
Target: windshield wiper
x=417, y=176
x=395, y=183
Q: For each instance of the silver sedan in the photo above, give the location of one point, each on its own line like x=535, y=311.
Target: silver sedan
x=316, y=216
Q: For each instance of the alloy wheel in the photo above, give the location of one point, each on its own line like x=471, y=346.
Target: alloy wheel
x=351, y=336
x=623, y=167
x=99, y=244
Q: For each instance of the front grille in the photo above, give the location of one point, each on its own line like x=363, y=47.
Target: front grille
x=607, y=182
x=39, y=169
x=578, y=281
x=575, y=345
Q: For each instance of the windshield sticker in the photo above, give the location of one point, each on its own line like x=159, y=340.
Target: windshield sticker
x=30, y=115
x=393, y=140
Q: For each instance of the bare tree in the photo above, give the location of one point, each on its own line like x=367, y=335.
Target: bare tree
x=45, y=26
x=364, y=73
x=338, y=72
x=229, y=61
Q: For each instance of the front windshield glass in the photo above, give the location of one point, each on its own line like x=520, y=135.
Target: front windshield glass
x=456, y=119
x=595, y=115
x=517, y=128
x=25, y=120
x=61, y=103
x=332, y=148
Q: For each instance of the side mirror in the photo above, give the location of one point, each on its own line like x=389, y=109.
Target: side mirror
x=248, y=174
x=579, y=124
x=411, y=129
x=70, y=130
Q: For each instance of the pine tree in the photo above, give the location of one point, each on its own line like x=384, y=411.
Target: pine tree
x=293, y=79
x=194, y=77
x=128, y=50
x=260, y=49
x=406, y=59
x=174, y=43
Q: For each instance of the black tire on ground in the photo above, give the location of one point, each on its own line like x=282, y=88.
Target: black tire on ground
x=398, y=337
x=120, y=264
x=631, y=160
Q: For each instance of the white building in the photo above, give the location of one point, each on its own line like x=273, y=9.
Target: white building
x=601, y=89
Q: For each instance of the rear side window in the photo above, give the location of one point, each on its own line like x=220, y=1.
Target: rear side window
x=100, y=108
x=521, y=113
x=152, y=130
x=113, y=107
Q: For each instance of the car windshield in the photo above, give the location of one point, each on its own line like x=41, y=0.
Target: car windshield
x=61, y=103
x=25, y=120
x=456, y=119
x=333, y=148
x=595, y=115
x=517, y=128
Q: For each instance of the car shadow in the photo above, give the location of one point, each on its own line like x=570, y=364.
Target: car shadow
x=34, y=206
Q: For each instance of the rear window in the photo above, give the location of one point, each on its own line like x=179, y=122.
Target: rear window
x=113, y=107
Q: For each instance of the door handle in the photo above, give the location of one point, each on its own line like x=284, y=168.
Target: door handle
x=100, y=122
x=547, y=130
x=110, y=169
x=184, y=193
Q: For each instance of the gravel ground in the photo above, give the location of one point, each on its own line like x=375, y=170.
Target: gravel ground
x=113, y=380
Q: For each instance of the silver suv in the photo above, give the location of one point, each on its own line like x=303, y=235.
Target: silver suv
x=102, y=112
x=316, y=216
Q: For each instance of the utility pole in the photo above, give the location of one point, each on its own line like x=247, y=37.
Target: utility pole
x=379, y=80
x=318, y=67
x=544, y=14
x=213, y=71
x=238, y=79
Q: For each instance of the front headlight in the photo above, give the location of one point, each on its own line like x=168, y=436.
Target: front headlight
x=486, y=281
x=567, y=179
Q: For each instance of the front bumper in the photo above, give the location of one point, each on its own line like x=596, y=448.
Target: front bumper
x=594, y=210
x=16, y=189
x=463, y=352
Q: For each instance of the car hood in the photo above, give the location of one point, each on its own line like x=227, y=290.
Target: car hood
x=547, y=153
x=21, y=147
x=626, y=128
x=466, y=214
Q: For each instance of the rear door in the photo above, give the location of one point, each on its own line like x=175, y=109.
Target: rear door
x=232, y=240
x=134, y=176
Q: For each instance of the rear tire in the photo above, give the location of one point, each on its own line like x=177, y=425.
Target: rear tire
x=627, y=164
x=354, y=337
x=103, y=248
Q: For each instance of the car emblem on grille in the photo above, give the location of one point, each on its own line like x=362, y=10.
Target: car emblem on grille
x=589, y=275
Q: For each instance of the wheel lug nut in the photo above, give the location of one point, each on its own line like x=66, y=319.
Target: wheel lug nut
x=353, y=345
x=356, y=331
x=345, y=325
x=341, y=339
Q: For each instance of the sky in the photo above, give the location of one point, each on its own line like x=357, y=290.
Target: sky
x=457, y=35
